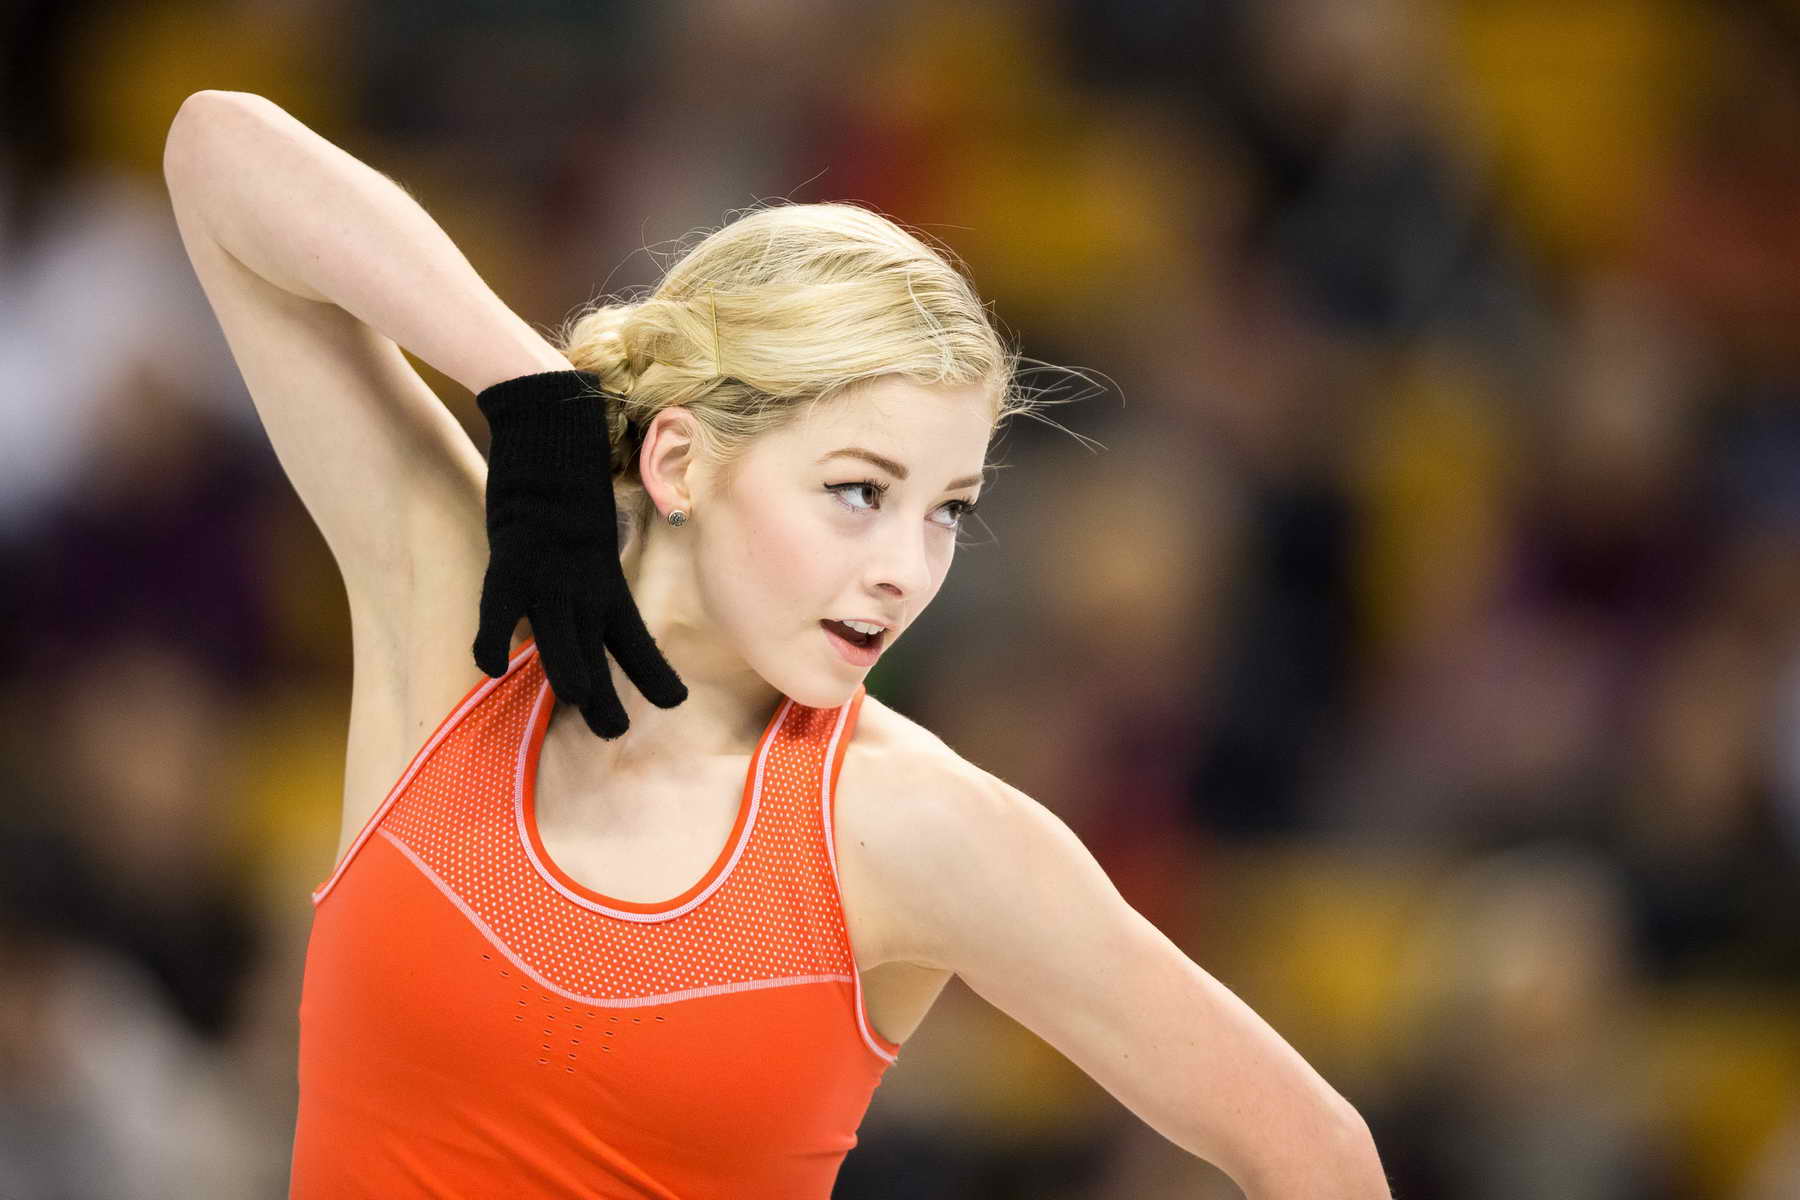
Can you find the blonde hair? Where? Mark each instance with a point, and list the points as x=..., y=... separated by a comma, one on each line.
x=775, y=311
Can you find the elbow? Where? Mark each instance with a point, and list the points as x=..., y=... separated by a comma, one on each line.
x=1341, y=1163
x=211, y=98
x=198, y=113
x=179, y=144
x=1364, y=1176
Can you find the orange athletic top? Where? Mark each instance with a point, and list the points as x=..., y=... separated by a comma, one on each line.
x=475, y=1023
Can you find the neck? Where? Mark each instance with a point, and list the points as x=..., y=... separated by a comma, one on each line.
x=728, y=703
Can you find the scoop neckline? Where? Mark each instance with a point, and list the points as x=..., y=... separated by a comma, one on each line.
x=749, y=800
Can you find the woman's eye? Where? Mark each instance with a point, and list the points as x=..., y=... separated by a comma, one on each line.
x=840, y=489
x=958, y=508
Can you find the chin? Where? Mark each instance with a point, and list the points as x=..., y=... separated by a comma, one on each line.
x=824, y=684
x=818, y=693
x=811, y=674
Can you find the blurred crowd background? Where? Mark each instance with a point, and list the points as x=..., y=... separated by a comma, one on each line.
x=1412, y=632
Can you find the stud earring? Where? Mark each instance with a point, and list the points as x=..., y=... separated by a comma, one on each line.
x=677, y=517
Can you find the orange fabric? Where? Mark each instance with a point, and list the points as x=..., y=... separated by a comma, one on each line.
x=474, y=1022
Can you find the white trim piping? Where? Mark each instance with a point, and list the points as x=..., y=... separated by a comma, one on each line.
x=487, y=932
x=825, y=807
x=737, y=850
x=444, y=730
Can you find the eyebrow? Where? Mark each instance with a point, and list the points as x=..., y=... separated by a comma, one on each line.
x=891, y=467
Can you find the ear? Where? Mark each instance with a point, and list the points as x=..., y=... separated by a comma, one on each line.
x=669, y=462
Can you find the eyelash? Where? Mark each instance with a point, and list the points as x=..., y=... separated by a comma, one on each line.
x=962, y=507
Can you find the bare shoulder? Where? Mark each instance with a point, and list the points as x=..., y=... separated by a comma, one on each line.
x=892, y=756
x=902, y=794
x=883, y=728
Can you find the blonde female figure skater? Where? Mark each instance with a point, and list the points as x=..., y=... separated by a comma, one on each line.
x=674, y=960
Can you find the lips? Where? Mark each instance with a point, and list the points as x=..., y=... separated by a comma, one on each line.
x=852, y=636
x=851, y=646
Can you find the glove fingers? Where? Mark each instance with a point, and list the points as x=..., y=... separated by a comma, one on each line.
x=560, y=649
x=604, y=714
x=639, y=658
x=501, y=609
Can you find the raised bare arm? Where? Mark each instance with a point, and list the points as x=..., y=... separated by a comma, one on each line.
x=315, y=221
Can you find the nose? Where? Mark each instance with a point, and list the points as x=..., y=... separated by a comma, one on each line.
x=902, y=565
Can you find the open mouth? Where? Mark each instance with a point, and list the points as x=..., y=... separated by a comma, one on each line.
x=850, y=635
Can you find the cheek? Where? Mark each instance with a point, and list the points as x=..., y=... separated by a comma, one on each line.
x=770, y=564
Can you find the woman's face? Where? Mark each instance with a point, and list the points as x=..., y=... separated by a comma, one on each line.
x=804, y=533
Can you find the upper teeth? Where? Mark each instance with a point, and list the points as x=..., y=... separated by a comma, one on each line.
x=863, y=626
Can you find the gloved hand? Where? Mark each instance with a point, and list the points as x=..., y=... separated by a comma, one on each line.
x=553, y=548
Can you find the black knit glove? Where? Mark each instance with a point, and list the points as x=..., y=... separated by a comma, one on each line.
x=553, y=548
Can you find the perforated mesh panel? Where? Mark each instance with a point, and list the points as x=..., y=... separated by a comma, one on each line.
x=772, y=912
